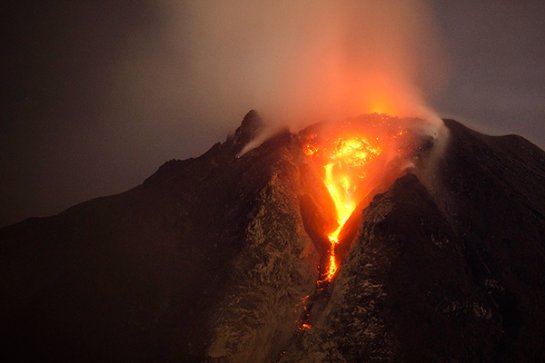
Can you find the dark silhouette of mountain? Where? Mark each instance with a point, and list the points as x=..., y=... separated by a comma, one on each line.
x=210, y=258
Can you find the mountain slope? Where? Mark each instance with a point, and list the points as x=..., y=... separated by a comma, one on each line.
x=210, y=258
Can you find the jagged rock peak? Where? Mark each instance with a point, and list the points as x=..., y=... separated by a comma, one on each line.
x=248, y=129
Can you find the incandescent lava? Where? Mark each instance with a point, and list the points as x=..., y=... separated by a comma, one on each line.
x=354, y=160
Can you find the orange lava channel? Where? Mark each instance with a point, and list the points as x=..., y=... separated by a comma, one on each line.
x=344, y=169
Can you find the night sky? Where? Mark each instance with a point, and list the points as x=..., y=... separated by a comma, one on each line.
x=80, y=120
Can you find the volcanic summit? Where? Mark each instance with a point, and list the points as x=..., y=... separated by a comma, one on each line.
x=378, y=239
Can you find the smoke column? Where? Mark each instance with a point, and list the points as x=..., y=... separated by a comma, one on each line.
x=296, y=62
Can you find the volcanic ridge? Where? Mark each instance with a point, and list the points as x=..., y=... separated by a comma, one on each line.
x=372, y=239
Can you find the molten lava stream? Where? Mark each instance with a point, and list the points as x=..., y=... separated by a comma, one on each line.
x=345, y=166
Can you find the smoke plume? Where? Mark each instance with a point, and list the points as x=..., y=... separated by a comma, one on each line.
x=296, y=62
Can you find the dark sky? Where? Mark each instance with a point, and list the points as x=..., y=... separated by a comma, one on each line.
x=71, y=131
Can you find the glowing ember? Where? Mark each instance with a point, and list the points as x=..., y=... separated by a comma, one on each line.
x=310, y=150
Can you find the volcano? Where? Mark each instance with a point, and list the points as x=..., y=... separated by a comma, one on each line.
x=226, y=258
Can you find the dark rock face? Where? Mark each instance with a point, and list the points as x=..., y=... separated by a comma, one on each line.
x=209, y=259
x=493, y=195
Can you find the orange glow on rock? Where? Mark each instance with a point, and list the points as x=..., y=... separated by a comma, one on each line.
x=310, y=150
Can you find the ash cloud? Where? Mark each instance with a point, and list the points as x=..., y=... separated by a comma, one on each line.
x=295, y=62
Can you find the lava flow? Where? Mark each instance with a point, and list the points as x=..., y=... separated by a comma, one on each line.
x=352, y=163
x=345, y=166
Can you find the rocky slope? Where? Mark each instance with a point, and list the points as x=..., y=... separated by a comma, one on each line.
x=209, y=260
